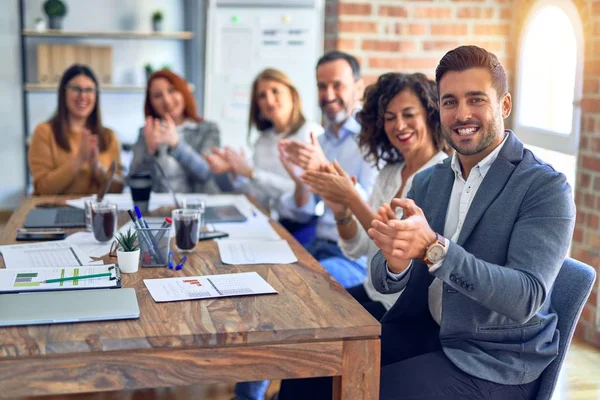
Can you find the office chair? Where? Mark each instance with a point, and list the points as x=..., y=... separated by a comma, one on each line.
x=571, y=290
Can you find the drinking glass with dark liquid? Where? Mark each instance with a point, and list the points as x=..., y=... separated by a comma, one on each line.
x=104, y=221
x=187, y=228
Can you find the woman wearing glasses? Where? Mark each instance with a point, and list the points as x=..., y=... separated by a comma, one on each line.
x=71, y=152
x=175, y=137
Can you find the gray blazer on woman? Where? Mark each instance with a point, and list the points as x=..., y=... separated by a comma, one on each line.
x=497, y=321
x=197, y=139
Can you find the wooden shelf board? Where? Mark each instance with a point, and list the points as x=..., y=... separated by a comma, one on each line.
x=109, y=34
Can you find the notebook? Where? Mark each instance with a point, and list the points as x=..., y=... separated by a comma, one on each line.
x=68, y=306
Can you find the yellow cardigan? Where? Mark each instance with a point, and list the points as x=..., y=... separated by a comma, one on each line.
x=52, y=170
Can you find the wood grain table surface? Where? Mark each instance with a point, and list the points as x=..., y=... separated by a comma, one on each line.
x=312, y=327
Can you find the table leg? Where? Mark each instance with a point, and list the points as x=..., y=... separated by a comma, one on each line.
x=360, y=371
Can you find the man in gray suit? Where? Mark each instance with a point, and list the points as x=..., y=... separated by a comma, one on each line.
x=483, y=238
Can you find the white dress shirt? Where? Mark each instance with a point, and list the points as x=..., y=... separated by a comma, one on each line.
x=463, y=193
x=386, y=188
x=271, y=180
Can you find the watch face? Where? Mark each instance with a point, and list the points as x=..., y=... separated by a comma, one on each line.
x=436, y=253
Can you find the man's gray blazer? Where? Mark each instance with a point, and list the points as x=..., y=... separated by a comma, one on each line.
x=497, y=321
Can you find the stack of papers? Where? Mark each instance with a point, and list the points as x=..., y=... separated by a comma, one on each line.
x=45, y=255
x=206, y=287
x=255, y=252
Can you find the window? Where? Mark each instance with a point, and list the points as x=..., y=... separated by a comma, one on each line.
x=549, y=79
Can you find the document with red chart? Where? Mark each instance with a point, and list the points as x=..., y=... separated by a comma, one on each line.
x=207, y=287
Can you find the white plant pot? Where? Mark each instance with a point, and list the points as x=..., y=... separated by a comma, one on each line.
x=128, y=261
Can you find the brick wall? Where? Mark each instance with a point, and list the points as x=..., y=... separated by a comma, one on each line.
x=413, y=35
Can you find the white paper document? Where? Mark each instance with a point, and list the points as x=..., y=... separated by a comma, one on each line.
x=43, y=255
x=241, y=252
x=206, y=287
x=88, y=243
x=33, y=279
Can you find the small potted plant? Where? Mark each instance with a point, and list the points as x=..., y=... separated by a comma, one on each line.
x=56, y=11
x=40, y=24
x=148, y=70
x=128, y=253
x=157, y=18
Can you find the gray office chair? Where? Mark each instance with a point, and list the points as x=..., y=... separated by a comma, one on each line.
x=571, y=290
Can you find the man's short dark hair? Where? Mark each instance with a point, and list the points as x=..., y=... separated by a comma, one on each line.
x=340, y=55
x=466, y=57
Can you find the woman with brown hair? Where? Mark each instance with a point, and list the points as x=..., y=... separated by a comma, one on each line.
x=175, y=137
x=276, y=112
x=71, y=153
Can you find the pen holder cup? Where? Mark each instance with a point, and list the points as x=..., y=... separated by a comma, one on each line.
x=154, y=246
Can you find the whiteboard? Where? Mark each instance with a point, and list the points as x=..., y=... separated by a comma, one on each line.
x=242, y=40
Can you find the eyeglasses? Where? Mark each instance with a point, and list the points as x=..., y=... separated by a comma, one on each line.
x=80, y=90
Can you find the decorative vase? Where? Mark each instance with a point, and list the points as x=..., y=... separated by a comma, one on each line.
x=156, y=25
x=128, y=261
x=40, y=25
x=55, y=22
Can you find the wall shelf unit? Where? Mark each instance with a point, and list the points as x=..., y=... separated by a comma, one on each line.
x=53, y=33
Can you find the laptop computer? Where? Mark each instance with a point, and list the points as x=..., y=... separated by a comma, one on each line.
x=212, y=214
x=65, y=217
x=68, y=306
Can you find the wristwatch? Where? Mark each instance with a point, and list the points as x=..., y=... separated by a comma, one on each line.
x=436, y=251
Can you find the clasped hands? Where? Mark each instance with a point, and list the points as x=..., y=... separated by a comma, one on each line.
x=400, y=241
x=157, y=132
x=227, y=160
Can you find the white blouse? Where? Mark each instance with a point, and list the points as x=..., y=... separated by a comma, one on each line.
x=271, y=180
x=386, y=187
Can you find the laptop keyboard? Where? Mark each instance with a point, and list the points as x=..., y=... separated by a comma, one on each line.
x=70, y=216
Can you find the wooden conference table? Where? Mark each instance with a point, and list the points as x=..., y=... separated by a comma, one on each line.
x=311, y=328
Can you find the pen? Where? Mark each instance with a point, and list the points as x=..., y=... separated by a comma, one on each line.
x=166, y=224
x=180, y=265
x=170, y=259
x=76, y=278
x=150, y=241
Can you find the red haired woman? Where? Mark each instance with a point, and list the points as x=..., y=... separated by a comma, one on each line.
x=175, y=137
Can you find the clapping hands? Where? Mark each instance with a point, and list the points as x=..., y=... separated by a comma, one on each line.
x=157, y=132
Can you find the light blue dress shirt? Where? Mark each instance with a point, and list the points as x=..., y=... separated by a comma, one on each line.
x=346, y=151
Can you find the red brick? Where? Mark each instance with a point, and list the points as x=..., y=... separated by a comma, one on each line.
x=593, y=297
x=584, y=180
x=592, y=337
x=591, y=68
x=596, y=9
x=432, y=12
x=590, y=105
x=591, y=85
x=410, y=29
x=387, y=45
x=393, y=11
x=594, y=144
x=592, y=240
x=439, y=45
x=475, y=12
x=449, y=29
x=354, y=9
x=506, y=13
x=592, y=221
x=492, y=29
x=402, y=63
x=340, y=44
x=578, y=235
x=357, y=26
x=369, y=79
x=589, y=313
x=589, y=200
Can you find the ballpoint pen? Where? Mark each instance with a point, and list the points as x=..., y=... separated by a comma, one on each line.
x=170, y=259
x=180, y=265
x=166, y=224
x=76, y=278
x=147, y=235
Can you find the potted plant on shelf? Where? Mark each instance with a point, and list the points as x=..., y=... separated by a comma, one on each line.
x=56, y=11
x=128, y=253
x=148, y=70
x=40, y=24
x=157, y=18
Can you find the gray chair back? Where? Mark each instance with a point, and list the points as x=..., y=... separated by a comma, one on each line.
x=569, y=294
